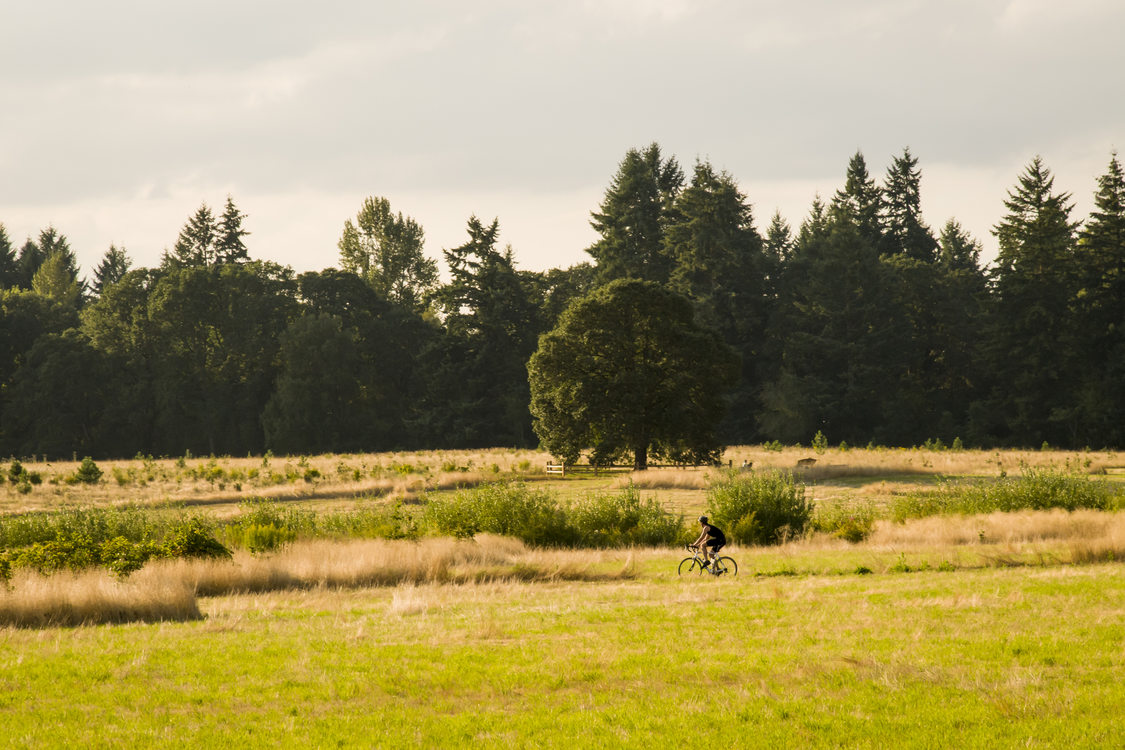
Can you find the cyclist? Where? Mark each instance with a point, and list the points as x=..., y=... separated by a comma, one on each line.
x=711, y=540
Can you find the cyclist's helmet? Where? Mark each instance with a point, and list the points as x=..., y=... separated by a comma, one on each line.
x=703, y=519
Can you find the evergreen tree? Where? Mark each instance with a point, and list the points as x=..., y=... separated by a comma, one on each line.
x=9, y=268
x=840, y=339
x=778, y=241
x=56, y=279
x=860, y=202
x=115, y=264
x=957, y=249
x=1032, y=340
x=901, y=212
x=196, y=244
x=27, y=263
x=228, y=234
x=385, y=250
x=479, y=394
x=720, y=267
x=1101, y=311
x=633, y=215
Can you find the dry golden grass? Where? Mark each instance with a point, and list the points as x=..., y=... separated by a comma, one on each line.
x=333, y=481
x=362, y=563
x=884, y=461
x=92, y=598
x=1023, y=526
x=167, y=590
x=666, y=479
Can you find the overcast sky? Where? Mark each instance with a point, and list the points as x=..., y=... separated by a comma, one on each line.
x=118, y=119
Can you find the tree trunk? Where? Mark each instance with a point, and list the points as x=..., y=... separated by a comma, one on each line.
x=640, y=458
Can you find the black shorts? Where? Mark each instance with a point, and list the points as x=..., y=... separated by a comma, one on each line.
x=715, y=547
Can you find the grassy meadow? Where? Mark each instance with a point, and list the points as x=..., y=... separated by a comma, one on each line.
x=949, y=629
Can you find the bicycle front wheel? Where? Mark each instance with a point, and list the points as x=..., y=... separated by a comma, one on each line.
x=727, y=566
x=690, y=565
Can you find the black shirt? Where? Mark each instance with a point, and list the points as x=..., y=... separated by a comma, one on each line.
x=715, y=534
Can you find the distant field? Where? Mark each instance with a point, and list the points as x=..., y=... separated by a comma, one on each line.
x=991, y=630
x=334, y=481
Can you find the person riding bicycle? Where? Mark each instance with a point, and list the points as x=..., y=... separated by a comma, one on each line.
x=711, y=540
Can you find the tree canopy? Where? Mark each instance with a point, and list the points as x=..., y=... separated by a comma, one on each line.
x=628, y=370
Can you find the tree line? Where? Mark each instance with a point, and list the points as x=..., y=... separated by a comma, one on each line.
x=864, y=324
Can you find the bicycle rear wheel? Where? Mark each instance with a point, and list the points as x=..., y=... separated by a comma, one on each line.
x=727, y=566
x=690, y=565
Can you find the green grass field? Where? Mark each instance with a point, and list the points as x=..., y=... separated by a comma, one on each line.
x=984, y=658
x=998, y=630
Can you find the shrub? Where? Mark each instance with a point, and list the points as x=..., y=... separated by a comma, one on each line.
x=123, y=557
x=1034, y=489
x=850, y=523
x=264, y=527
x=194, y=538
x=87, y=473
x=759, y=508
x=623, y=519
x=819, y=442
x=503, y=508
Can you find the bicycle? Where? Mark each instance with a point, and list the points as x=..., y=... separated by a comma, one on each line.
x=697, y=563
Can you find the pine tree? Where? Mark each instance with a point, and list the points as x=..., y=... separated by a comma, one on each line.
x=115, y=264
x=901, y=212
x=492, y=320
x=55, y=279
x=27, y=263
x=957, y=248
x=1101, y=311
x=196, y=244
x=720, y=267
x=716, y=250
x=228, y=234
x=633, y=215
x=860, y=202
x=9, y=269
x=779, y=240
x=1033, y=345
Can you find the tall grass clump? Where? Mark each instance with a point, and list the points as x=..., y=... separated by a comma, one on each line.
x=1034, y=489
x=759, y=508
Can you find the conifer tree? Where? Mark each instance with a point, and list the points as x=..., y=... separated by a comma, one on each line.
x=1033, y=336
x=901, y=212
x=114, y=265
x=1101, y=311
x=196, y=244
x=228, y=234
x=860, y=202
x=9, y=269
x=633, y=215
x=56, y=280
x=957, y=249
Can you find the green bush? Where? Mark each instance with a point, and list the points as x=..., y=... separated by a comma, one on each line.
x=88, y=472
x=503, y=508
x=624, y=519
x=123, y=557
x=759, y=508
x=194, y=537
x=1034, y=489
x=850, y=523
